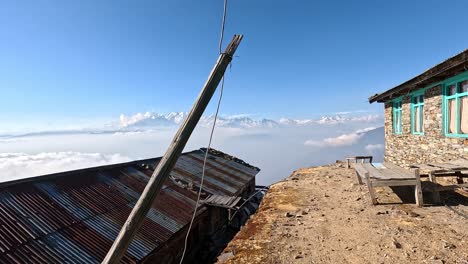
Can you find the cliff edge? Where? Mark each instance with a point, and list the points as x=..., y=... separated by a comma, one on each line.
x=321, y=215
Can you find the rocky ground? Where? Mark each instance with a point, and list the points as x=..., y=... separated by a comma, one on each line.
x=320, y=215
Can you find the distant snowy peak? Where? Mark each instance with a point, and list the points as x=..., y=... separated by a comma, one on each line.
x=151, y=119
x=239, y=122
x=336, y=119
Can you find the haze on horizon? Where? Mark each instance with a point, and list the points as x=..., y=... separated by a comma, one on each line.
x=72, y=72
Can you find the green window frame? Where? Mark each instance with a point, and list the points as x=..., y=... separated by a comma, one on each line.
x=417, y=113
x=397, y=116
x=455, y=99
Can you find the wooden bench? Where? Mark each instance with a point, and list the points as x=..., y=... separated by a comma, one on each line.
x=455, y=168
x=356, y=159
x=391, y=175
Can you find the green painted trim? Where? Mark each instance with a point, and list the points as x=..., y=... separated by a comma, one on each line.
x=445, y=98
x=457, y=78
x=421, y=117
x=413, y=107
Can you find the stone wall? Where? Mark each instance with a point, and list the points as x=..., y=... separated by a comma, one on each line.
x=406, y=148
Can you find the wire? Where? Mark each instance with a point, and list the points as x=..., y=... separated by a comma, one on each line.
x=222, y=27
x=251, y=196
x=209, y=141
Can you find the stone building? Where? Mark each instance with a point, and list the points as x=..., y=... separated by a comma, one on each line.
x=426, y=117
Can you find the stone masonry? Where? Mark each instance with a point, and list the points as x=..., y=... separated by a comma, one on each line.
x=406, y=148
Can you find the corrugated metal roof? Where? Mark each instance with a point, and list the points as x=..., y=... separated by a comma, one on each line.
x=74, y=216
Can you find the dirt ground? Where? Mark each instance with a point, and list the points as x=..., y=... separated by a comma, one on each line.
x=321, y=215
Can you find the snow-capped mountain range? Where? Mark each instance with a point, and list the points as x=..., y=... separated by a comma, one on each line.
x=152, y=119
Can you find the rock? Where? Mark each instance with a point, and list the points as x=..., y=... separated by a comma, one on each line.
x=448, y=245
x=288, y=214
x=297, y=257
x=381, y=212
x=434, y=260
x=295, y=178
x=303, y=212
x=326, y=195
x=413, y=214
x=357, y=199
x=396, y=244
x=225, y=257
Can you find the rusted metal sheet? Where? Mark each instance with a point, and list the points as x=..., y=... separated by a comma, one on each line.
x=74, y=217
x=222, y=201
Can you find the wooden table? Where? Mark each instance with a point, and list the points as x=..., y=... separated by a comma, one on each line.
x=356, y=159
x=390, y=175
x=450, y=168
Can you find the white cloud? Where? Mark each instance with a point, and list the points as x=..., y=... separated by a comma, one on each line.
x=275, y=146
x=371, y=148
x=20, y=165
x=342, y=140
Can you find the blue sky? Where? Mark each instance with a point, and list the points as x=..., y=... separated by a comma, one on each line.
x=83, y=61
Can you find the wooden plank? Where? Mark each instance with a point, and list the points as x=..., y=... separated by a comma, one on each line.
x=373, y=172
x=401, y=172
x=165, y=166
x=448, y=166
x=461, y=162
x=429, y=168
x=390, y=183
x=394, y=167
x=360, y=170
x=390, y=174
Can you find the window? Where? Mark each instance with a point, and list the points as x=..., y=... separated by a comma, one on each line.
x=417, y=113
x=397, y=116
x=456, y=109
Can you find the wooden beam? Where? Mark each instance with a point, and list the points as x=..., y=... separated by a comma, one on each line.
x=169, y=159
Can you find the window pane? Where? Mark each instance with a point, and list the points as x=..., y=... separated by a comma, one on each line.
x=464, y=87
x=452, y=89
x=399, y=121
x=417, y=120
x=451, y=116
x=421, y=98
x=464, y=115
x=421, y=118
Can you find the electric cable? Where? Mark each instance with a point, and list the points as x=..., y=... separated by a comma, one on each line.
x=209, y=141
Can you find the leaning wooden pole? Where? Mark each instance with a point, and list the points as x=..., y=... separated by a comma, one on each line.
x=169, y=159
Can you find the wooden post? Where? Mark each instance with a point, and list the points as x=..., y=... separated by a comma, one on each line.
x=435, y=192
x=371, y=189
x=160, y=174
x=418, y=189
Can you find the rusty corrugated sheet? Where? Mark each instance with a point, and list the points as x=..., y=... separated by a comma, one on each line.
x=74, y=217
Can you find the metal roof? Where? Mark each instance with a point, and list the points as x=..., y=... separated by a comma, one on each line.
x=439, y=72
x=75, y=216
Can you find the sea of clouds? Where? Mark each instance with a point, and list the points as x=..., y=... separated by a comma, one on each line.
x=277, y=147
